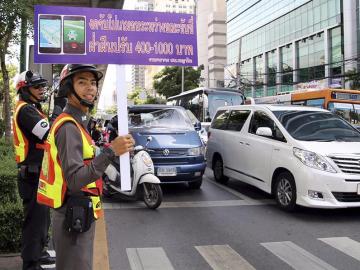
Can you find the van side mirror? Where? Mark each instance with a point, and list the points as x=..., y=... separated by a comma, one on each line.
x=197, y=126
x=264, y=131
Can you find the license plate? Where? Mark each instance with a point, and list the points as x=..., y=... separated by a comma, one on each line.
x=166, y=171
x=358, y=189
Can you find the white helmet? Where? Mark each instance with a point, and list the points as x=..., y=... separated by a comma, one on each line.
x=28, y=78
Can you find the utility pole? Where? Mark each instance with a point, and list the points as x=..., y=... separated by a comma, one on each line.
x=208, y=74
x=182, y=79
x=23, y=45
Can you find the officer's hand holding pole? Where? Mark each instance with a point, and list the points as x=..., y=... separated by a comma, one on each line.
x=122, y=144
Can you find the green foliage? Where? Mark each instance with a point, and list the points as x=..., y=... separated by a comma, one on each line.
x=155, y=100
x=112, y=110
x=168, y=81
x=11, y=217
x=353, y=76
x=11, y=213
x=8, y=173
x=135, y=96
x=13, y=70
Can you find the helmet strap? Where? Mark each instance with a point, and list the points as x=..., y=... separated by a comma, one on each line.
x=25, y=94
x=84, y=102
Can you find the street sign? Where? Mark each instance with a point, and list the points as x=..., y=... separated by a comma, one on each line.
x=111, y=36
x=77, y=35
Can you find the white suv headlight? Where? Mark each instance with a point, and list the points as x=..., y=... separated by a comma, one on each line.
x=313, y=160
x=197, y=151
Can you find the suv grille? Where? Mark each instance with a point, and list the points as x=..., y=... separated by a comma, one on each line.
x=346, y=196
x=172, y=152
x=348, y=163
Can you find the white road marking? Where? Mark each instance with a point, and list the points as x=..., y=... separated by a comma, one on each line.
x=148, y=259
x=223, y=257
x=240, y=195
x=344, y=244
x=52, y=253
x=296, y=257
x=48, y=266
x=111, y=206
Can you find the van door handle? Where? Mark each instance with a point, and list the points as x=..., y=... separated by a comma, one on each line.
x=277, y=149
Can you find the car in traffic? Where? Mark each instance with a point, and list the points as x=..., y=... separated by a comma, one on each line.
x=176, y=148
x=302, y=155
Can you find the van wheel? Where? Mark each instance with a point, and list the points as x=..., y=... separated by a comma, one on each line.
x=218, y=170
x=285, y=191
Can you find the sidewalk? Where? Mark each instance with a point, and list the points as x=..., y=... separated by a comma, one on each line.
x=10, y=262
x=100, y=259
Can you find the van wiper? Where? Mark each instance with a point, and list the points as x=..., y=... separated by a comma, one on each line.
x=318, y=140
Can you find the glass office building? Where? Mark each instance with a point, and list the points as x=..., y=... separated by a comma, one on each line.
x=284, y=45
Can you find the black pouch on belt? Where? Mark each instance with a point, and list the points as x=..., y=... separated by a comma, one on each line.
x=79, y=213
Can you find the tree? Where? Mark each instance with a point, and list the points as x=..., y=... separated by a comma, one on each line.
x=353, y=77
x=12, y=70
x=168, y=81
x=135, y=96
x=11, y=15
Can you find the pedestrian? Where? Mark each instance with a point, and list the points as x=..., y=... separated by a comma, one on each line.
x=94, y=131
x=31, y=127
x=71, y=183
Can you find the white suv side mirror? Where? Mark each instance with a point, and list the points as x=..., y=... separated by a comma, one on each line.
x=264, y=131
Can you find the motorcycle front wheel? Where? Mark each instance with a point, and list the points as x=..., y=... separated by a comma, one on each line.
x=152, y=195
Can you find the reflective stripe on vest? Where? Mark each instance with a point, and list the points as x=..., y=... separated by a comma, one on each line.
x=52, y=185
x=21, y=143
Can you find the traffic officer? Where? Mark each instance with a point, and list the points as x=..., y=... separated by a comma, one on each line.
x=31, y=127
x=71, y=174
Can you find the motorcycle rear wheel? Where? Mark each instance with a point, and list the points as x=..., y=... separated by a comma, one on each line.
x=152, y=195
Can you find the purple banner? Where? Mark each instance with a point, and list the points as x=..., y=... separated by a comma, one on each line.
x=111, y=36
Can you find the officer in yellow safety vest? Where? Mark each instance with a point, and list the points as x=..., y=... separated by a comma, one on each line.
x=70, y=180
x=30, y=128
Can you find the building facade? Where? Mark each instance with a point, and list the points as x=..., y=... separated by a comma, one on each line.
x=175, y=6
x=284, y=45
x=211, y=34
x=138, y=72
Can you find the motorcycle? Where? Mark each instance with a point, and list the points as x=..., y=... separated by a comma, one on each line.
x=143, y=179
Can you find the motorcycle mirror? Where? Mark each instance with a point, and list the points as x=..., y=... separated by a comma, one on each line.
x=149, y=139
x=138, y=148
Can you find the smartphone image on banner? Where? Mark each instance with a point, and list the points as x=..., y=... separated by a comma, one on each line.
x=49, y=34
x=74, y=34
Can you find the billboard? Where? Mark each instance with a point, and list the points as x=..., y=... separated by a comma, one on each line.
x=111, y=36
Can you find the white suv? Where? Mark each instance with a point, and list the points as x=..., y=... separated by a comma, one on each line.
x=301, y=155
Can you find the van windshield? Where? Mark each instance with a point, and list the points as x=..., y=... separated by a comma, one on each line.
x=166, y=118
x=317, y=126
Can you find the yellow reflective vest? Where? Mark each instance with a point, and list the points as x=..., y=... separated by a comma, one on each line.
x=21, y=143
x=52, y=184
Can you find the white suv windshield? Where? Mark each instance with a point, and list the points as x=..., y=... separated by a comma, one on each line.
x=317, y=126
x=166, y=118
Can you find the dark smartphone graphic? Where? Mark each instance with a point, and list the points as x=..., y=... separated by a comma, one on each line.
x=49, y=34
x=74, y=34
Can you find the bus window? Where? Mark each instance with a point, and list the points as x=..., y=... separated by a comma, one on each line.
x=350, y=112
x=316, y=103
x=319, y=103
x=217, y=100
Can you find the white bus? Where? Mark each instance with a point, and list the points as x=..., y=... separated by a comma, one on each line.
x=203, y=102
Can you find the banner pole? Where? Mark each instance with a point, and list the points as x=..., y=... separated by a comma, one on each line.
x=123, y=127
